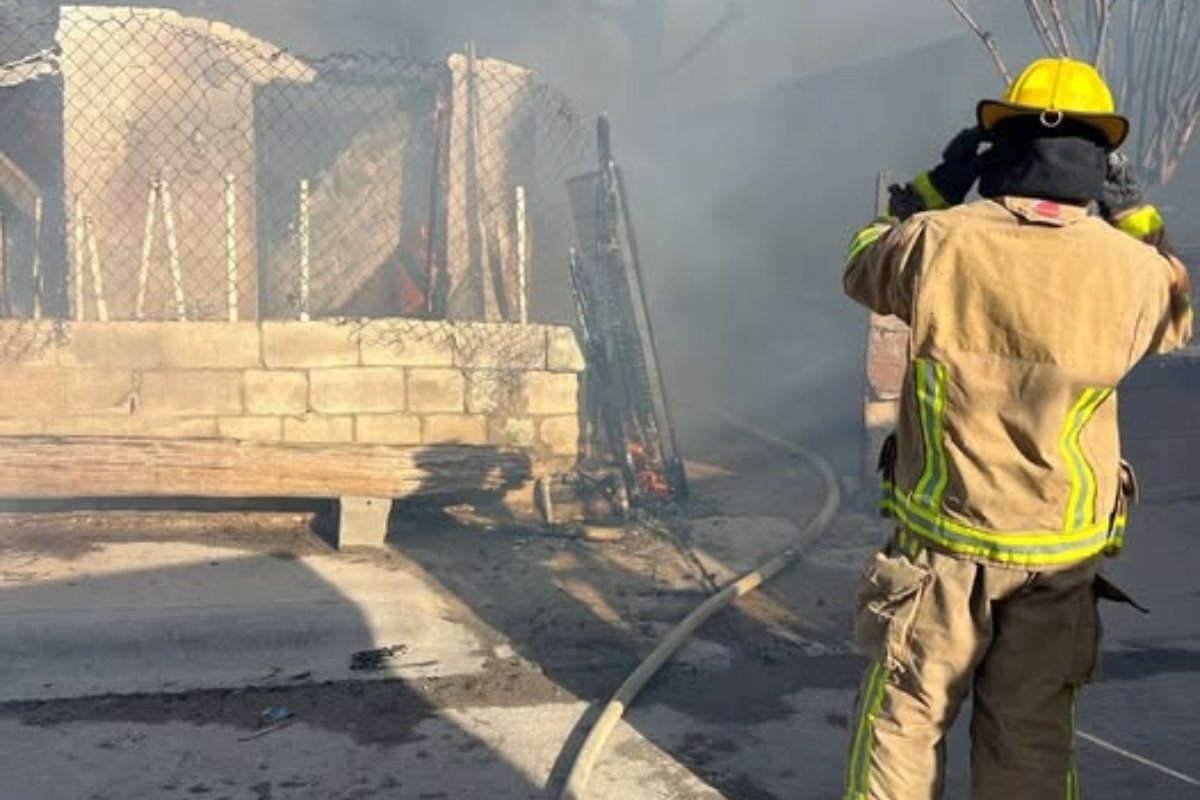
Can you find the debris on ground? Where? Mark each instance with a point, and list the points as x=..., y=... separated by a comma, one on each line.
x=375, y=660
x=275, y=715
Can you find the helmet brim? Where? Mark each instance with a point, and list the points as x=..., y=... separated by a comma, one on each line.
x=1113, y=127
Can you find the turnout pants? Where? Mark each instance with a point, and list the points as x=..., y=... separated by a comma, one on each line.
x=937, y=627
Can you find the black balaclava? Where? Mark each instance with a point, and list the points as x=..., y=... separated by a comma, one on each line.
x=1066, y=163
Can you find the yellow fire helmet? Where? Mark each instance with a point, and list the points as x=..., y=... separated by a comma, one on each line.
x=1055, y=89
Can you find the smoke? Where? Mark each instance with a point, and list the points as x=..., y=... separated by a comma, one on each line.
x=751, y=132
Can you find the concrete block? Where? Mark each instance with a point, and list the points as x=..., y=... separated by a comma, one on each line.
x=315, y=429
x=882, y=415
x=21, y=426
x=363, y=521
x=308, y=345
x=512, y=431
x=560, y=435
x=405, y=343
x=251, y=429
x=455, y=429
x=490, y=391
x=499, y=346
x=210, y=345
x=191, y=393
x=562, y=351
x=113, y=345
x=275, y=392
x=33, y=392
x=166, y=428
x=111, y=425
x=387, y=429
x=357, y=390
x=551, y=393
x=887, y=357
x=24, y=343
x=436, y=390
x=134, y=425
x=99, y=391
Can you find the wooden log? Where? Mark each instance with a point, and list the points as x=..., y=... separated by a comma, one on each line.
x=63, y=467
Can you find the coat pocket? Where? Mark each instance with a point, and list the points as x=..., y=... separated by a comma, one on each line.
x=890, y=594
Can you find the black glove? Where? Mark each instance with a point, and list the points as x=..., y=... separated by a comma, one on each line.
x=959, y=169
x=1122, y=189
x=904, y=201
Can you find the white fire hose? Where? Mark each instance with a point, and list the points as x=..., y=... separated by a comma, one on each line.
x=593, y=745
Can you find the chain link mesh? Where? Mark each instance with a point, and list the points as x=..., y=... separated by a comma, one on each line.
x=155, y=166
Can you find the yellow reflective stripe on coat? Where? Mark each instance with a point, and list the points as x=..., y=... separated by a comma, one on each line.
x=859, y=778
x=1081, y=502
x=1018, y=548
x=1141, y=223
x=931, y=400
x=929, y=194
x=865, y=238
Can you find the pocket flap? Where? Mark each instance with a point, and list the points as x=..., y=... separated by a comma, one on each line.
x=892, y=579
x=890, y=596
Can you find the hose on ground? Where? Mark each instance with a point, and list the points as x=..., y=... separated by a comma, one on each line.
x=597, y=738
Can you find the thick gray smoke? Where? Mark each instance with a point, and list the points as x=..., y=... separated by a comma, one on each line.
x=751, y=130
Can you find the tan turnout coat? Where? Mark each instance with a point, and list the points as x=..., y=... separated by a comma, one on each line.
x=1025, y=317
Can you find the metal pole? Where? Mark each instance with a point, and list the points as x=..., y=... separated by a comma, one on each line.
x=522, y=259
x=5, y=300
x=147, y=249
x=882, y=180
x=433, y=303
x=231, y=277
x=38, y=215
x=78, y=249
x=173, y=252
x=97, y=273
x=477, y=239
x=305, y=233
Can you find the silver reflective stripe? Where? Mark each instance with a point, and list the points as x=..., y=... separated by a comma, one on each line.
x=1040, y=547
x=1081, y=502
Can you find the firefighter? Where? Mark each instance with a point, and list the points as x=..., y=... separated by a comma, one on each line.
x=1004, y=475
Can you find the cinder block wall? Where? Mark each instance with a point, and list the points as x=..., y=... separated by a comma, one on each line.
x=887, y=360
x=371, y=382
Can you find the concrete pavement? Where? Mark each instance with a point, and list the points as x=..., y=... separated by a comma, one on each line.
x=513, y=642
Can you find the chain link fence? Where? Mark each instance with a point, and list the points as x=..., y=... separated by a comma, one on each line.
x=154, y=166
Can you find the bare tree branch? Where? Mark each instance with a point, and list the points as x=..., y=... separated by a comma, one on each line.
x=1104, y=9
x=988, y=40
x=1181, y=94
x=1147, y=51
x=1042, y=27
x=1060, y=26
x=1142, y=45
x=1082, y=25
x=733, y=14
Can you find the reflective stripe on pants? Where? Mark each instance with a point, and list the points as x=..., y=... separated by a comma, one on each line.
x=1025, y=641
